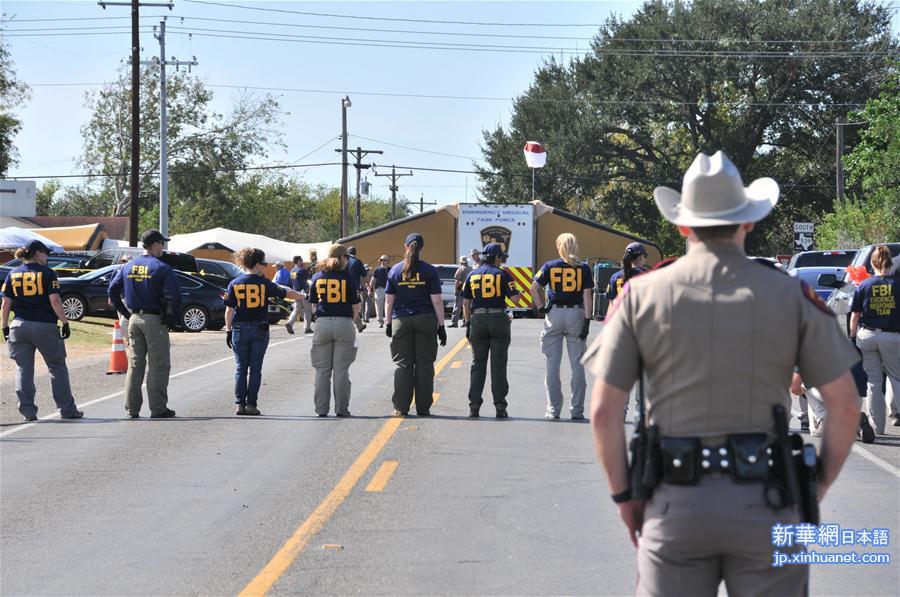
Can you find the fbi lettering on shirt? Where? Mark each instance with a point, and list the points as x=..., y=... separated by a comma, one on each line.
x=28, y=284
x=139, y=273
x=250, y=296
x=882, y=299
x=412, y=281
x=565, y=279
x=485, y=285
x=330, y=290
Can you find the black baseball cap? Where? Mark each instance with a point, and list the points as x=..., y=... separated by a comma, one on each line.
x=34, y=246
x=415, y=237
x=153, y=236
x=493, y=250
x=636, y=249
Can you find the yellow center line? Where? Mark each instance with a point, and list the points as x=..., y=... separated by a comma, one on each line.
x=382, y=476
x=310, y=527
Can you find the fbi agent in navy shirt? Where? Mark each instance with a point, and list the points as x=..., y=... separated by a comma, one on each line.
x=300, y=282
x=414, y=301
x=484, y=296
x=634, y=262
x=378, y=284
x=32, y=292
x=568, y=317
x=334, y=292
x=875, y=323
x=247, y=325
x=152, y=299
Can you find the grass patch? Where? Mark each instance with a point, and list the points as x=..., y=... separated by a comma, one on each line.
x=91, y=331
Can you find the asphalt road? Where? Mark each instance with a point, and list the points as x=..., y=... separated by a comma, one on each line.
x=209, y=503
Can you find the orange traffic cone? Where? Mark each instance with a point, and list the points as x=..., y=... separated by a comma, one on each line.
x=118, y=361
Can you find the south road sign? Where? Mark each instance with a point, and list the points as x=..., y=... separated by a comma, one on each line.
x=804, y=236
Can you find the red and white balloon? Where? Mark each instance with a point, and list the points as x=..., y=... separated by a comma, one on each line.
x=535, y=155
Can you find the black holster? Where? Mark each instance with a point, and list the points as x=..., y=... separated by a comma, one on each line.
x=798, y=472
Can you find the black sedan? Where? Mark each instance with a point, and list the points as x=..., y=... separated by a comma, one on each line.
x=203, y=306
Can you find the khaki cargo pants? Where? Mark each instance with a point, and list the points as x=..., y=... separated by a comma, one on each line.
x=695, y=536
x=148, y=340
x=333, y=350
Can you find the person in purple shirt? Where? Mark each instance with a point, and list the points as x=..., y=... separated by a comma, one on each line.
x=414, y=301
x=300, y=282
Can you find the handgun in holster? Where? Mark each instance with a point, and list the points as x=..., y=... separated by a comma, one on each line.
x=797, y=468
x=644, y=469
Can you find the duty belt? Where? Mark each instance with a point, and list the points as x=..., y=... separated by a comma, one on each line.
x=488, y=310
x=565, y=305
x=745, y=456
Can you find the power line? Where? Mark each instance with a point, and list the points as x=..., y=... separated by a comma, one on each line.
x=586, y=99
x=398, y=19
x=450, y=155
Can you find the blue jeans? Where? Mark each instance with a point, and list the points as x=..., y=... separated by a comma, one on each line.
x=250, y=341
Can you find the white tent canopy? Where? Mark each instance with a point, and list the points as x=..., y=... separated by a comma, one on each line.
x=13, y=238
x=234, y=240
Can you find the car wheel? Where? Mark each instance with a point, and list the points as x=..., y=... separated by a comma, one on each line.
x=194, y=318
x=74, y=307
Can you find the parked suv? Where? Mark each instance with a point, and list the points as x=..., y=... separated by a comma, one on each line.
x=821, y=259
x=840, y=298
x=65, y=265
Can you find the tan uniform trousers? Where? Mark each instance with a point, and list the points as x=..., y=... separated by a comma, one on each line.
x=148, y=340
x=333, y=350
x=880, y=357
x=695, y=536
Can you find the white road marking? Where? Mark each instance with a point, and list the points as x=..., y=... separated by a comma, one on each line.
x=56, y=415
x=876, y=460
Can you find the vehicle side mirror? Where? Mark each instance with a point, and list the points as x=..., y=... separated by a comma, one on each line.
x=829, y=281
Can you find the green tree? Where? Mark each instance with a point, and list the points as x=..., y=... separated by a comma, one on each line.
x=679, y=78
x=200, y=140
x=12, y=94
x=871, y=211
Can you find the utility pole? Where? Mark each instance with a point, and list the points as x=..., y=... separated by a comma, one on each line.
x=359, y=154
x=135, y=109
x=345, y=103
x=164, y=123
x=839, y=155
x=423, y=203
x=394, y=188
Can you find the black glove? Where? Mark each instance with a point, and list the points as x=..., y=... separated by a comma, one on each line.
x=442, y=335
x=468, y=330
x=6, y=333
x=228, y=336
x=585, y=328
x=388, y=330
x=544, y=310
x=65, y=332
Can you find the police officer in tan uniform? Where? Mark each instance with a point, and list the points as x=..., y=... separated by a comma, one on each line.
x=717, y=336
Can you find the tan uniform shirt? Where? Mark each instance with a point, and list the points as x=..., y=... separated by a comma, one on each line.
x=719, y=335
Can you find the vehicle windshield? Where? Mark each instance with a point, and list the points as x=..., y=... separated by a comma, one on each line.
x=97, y=273
x=446, y=271
x=823, y=259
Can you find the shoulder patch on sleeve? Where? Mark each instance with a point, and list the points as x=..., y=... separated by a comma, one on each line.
x=664, y=263
x=809, y=293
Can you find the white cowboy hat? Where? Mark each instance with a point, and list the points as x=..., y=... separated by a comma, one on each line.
x=713, y=194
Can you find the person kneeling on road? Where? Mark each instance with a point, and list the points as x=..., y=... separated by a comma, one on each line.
x=334, y=293
x=484, y=295
x=247, y=325
x=32, y=292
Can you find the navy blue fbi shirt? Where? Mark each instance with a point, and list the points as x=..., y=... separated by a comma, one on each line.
x=565, y=283
x=146, y=281
x=380, y=276
x=412, y=296
x=488, y=287
x=617, y=280
x=248, y=295
x=300, y=279
x=334, y=293
x=877, y=300
x=356, y=269
x=29, y=286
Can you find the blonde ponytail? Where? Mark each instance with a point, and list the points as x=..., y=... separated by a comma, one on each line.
x=567, y=247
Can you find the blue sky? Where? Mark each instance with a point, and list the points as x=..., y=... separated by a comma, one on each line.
x=50, y=138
